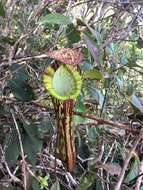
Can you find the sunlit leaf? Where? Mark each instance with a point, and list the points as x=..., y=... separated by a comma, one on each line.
x=55, y=18
x=92, y=74
x=43, y=181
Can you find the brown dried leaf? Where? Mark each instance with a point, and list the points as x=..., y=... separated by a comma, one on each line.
x=112, y=168
x=67, y=56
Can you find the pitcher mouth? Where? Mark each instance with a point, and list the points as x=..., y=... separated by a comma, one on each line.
x=64, y=83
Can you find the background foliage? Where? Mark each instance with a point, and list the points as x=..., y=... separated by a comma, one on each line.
x=110, y=35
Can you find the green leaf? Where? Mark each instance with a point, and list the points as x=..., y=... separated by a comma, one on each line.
x=137, y=103
x=19, y=83
x=134, y=170
x=43, y=182
x=87, y=182
x=80, y=107
x=55, y=18
x=64, y=83
x=120, y=82
x=19, y=73
x=98, y=184
x=130, y=87
x=56, y=186
x=93, y=48
x=98, y=97
x=35, y=184
x=21, y=90
x=11, y=154
x=107, y=82
x=93, y=74
x=91, y=133
x=123, y=59
x=46, y=127
x=2, y=11
x=73, y=35
x=31, y=143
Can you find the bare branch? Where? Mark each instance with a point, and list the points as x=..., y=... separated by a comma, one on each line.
x=100, y=121
x=127, y=160
x=22, y=151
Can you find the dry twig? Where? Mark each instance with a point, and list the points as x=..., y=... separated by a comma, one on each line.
x=127, y=160
x=22, y=151
x=100, y=121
